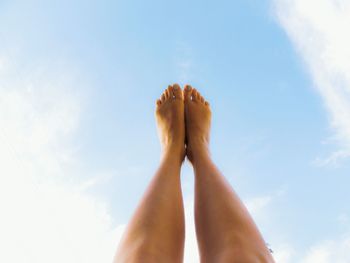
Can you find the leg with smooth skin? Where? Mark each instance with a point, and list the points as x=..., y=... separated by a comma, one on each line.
x=225, y=230
x=156, y=231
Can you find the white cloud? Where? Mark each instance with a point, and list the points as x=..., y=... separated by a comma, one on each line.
x=44, y=219
x=191, y=247
x=324, y=251
x=332, y=251
x=283, y=253
x=319, y=30
x=333, y=159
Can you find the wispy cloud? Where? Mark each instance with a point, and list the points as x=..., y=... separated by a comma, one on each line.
x=336, y=251
x=183, y=61
x=44, y=218
x=324, y=251
x=319, y=30
x=283, y=253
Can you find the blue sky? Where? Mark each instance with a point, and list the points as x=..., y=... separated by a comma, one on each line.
x=78, y=84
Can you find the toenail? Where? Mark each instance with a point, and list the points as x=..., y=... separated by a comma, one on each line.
x=175, y=86
x=188, y=87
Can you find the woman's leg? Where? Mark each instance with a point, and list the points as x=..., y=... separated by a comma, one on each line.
x=156, y=231
x=225, y=230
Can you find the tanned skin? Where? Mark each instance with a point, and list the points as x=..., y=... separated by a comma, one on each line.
x=225, y=230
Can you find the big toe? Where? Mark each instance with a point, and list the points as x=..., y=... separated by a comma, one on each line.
x=177, y=92
x=187, y=92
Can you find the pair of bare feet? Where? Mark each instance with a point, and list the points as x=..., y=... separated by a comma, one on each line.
x=183, y=119
x=156, y=233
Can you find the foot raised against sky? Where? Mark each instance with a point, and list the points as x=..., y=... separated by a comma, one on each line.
x=198, y=120
x=171, y=121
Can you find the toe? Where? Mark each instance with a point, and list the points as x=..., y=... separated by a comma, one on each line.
x=195, y=95
x=167, y=93
x=198, y=96
x=187, y=92
x=177, y=92
x=163, y=97
x=158, y=102
x=202, y=99
x=171, y=91
x=207, y=103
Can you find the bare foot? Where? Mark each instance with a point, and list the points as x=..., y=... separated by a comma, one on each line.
x=198, y=120
x=171, y=121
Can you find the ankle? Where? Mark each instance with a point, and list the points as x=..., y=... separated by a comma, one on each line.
x=197, y=150
x=174, y=152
